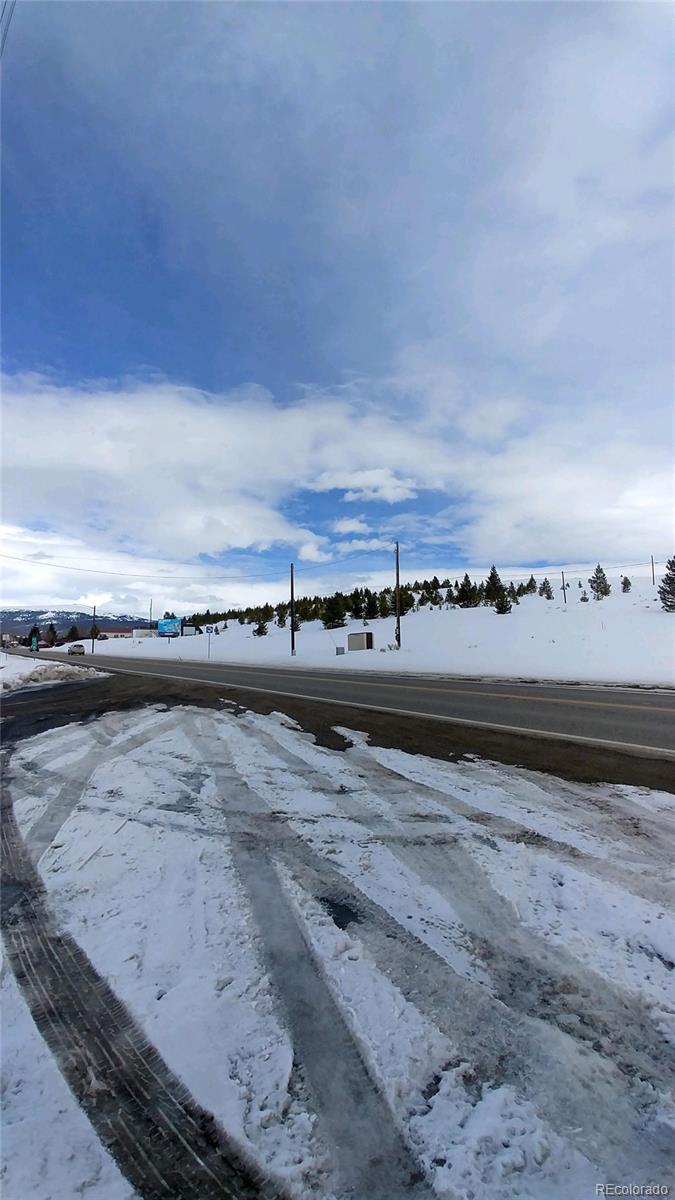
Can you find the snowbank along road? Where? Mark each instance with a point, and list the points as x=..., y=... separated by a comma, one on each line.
x=266, y=967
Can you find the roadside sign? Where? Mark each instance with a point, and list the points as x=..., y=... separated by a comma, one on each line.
x=169, y=627
x=209, y=628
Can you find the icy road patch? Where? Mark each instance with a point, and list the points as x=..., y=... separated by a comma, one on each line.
x=384, y=975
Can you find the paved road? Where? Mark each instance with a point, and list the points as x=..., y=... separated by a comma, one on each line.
x=622, y=717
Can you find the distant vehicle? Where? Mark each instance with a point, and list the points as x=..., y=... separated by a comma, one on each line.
x=76, y=648
x=102, y=637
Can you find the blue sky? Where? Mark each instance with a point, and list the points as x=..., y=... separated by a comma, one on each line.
x=405, y=265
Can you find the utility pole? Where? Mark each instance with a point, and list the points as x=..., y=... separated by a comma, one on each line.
x=93, y=624
x=564, y=588
x=398, y=600
x=292, y=611
x=151, y=614
x=653, y=576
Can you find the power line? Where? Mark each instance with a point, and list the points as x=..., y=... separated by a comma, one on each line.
x=167, y=577
x=8, y=22
x=61, y=566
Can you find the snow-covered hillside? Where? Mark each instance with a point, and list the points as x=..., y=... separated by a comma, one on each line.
x=625, y=638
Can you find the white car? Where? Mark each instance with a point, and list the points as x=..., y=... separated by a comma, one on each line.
x=76, y=648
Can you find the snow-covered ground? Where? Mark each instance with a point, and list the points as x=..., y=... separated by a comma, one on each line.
x=17, y=672
x=497, y=946
x=50, y=1151
x=625, y=638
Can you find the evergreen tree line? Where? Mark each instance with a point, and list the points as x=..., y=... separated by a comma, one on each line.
x=366, y=605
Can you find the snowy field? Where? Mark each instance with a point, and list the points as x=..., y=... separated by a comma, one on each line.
x=625, y=638
x=18, y=672
x=489, y=950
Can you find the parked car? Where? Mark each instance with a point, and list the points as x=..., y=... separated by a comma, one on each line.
x=102, y=637
x=76, y=648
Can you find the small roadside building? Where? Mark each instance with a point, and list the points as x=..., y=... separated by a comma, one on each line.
x=360, y=641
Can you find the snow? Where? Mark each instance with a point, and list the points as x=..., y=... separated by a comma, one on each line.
x=50, y=1151
x=19, y=672
x=623, y=639
x=499, y=877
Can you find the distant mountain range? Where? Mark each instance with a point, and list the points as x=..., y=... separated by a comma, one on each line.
x=21, y=620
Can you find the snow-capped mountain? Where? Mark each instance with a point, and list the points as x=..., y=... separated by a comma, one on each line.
x=21, y=620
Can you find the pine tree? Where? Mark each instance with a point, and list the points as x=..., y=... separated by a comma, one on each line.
x=281, y=616
x=598, y=583
x=407, y=600
x=72, y=634
x=371, y=609
x=502, y=603
x=521, y=589
x=546, y=590
x=579, y=583
x=449, y=596
x=94, y=631
x=666, y=588
x=584, y=597
x=50, y=637
x=242, y=618
x=356, y=604
x=334, y=612
x=512, y=593
x=260, y=629
x=493, y=587
x=626, y=584
x=467, y=593
x=384, y=604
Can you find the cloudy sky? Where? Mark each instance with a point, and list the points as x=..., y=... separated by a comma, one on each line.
x=291, y=282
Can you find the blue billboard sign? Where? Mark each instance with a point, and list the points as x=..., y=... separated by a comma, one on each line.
x=169, y=627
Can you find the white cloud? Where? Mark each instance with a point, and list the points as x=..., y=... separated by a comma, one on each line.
x=350, y=525
x=375, y=483
x=161, y=471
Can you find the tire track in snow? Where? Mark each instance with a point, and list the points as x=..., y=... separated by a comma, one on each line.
x=108, y=743
x=611, y=1096
x=532, y=975
x=619, y=825
x=166, y=1144
x=372, y=1157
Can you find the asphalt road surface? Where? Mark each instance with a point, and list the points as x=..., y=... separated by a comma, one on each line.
x=629, y=719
